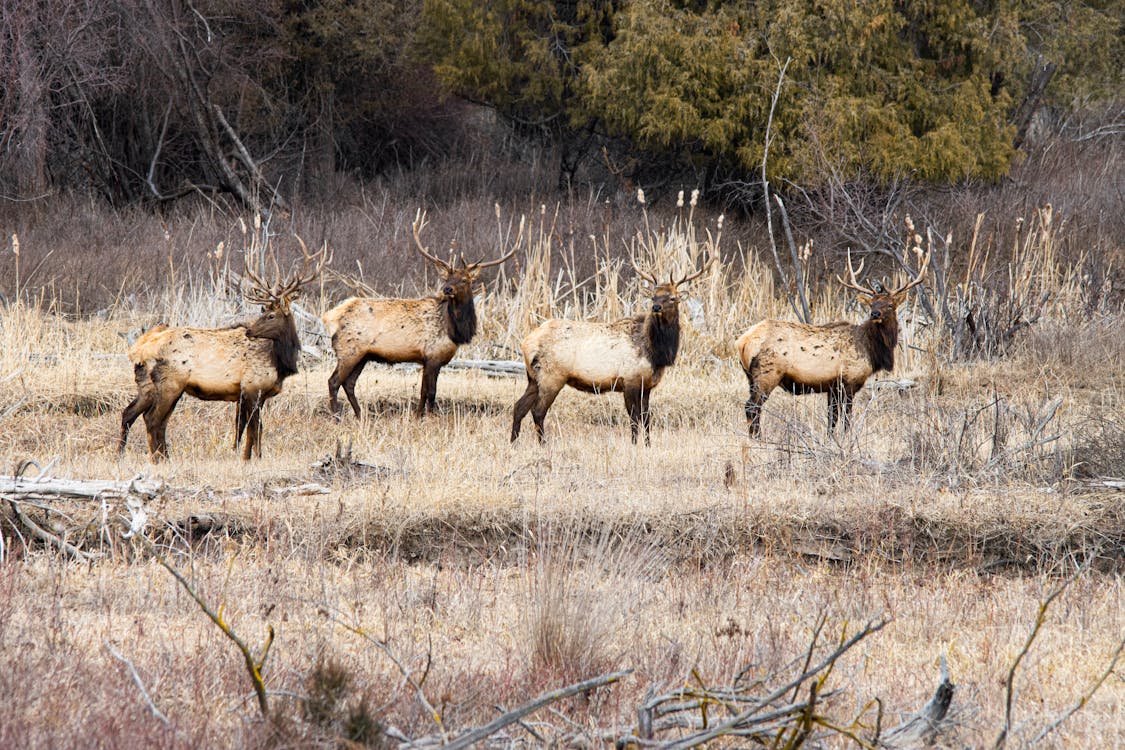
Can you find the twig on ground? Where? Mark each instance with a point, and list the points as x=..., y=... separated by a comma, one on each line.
x=156, y=712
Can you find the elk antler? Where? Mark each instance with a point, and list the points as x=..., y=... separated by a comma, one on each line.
x=419, y=224
x=316, y=261
x=854, y=282
x=694, y=276
x=263, y=293
x=917, y=277
x=259, y=293
x=643, y=274
x=481, y=264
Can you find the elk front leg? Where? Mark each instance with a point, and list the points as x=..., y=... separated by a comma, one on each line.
x=242, y=414
x=633, y=406
x=253, y=432
x=428, y=397
x=847, y=398
x=646, y=415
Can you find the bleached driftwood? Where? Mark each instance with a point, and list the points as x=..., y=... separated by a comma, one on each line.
x=54, y=488
x=921, y=729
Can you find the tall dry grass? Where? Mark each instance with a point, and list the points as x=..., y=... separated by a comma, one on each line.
x=500, y=570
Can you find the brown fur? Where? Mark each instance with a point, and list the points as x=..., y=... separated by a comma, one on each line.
x=835, y=358
x=426, y=331
x=628, y=355
x=247, y=364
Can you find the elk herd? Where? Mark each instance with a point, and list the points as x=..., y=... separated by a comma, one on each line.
x=248, y=363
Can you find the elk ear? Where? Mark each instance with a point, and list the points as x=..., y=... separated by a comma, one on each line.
x=472, y=273
x=898, y=299
x=865, y=299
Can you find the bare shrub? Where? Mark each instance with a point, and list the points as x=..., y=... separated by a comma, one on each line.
x=994, y=439
x=333, y=707
x=1097, y=449
x=580, y=586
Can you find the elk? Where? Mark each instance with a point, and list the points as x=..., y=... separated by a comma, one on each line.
x=628, y=355
x=426, y=330
x=246, y=363
x=834, y=358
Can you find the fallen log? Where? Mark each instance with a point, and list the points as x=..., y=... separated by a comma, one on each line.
x=53, y=488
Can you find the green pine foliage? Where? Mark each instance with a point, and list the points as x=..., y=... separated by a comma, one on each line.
x=872, y=86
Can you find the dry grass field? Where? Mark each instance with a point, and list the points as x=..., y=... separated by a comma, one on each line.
x=967, y=492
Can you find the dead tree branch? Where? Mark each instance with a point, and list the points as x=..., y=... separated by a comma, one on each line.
x=156, y=712
x=253, y=666
x=1010, y=691
x=546, y=699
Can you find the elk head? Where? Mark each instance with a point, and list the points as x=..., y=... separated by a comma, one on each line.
x=882, y=302
x=276, y=321
x=666, y=295
x=458, y=284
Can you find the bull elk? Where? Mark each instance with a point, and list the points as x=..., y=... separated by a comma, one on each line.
x=245, y=363
x=628, y=355
x=426, y=331
x=834, y=358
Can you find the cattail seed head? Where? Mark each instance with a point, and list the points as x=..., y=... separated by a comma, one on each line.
x=640, y=196
x=680, y=199
x=15, y=244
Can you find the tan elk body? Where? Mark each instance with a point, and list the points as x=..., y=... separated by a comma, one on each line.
x=247, y=364
x=427, y=330
x=628, y=356
x=834, y=358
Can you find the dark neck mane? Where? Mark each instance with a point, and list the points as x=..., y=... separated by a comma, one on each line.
x=662, y=339
x=460, y=320
x=878, y=339
x=286, y=350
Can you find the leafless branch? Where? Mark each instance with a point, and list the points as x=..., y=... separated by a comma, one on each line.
x=1010, y=691
x=156, y=712
x=253, y=666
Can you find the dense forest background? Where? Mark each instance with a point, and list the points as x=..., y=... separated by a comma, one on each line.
x=851, y=110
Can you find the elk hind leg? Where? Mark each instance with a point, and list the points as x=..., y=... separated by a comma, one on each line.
x=523, y=406
x=547, y=396
x=156, y=423
x=761, y=384
x=349, y=386
x=346, y=374
x=136, y=407
x=753, y=409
